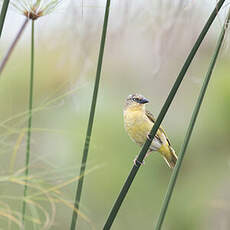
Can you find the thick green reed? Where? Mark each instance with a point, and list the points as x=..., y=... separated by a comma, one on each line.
x=190, y=127
x=91, y=118
x=134, y=170
x=3, y=14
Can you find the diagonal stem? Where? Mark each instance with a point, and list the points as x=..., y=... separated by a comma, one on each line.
x=91, y=118
x=134, y=170
x=3, y=14
x=191, y=126
x=10, y=50
x=29, y=123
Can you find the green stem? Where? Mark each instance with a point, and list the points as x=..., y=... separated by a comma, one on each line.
x=135, y=168
x=91, y=118
x=12, y=46
x=29, y=123
x=3, y=14
x=190, y=128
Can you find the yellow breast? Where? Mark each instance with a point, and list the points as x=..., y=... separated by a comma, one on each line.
x=137, y=125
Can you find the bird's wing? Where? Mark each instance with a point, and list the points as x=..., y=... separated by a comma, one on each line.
x=151, y=118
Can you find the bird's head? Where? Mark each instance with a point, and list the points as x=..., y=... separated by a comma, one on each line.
x=136, y=101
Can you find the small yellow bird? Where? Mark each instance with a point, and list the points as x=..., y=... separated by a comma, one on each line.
x=139, y=122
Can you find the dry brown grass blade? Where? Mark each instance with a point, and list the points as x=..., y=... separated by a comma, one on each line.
x=7, y=207
x=16, y=148
x=11, y=218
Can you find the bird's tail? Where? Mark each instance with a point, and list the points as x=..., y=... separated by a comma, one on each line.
x=169, y=156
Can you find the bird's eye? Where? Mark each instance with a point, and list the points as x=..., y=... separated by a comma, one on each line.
x=135, y=99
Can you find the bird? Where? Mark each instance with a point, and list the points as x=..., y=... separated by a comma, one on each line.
x=138, y=123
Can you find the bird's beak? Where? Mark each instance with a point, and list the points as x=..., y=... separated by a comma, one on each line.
x=144, y=101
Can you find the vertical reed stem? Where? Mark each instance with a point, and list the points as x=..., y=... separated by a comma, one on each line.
x=29, y=123
x=91, y=118
x=190, y=127
x=3, y=14
x=10, y=50
x=134, y=170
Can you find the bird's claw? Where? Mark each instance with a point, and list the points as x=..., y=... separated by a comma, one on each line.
x=135, y=161
x=149, y=137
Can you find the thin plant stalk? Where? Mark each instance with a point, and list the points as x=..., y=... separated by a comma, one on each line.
x=12, y=46
x=190, y=128
x=140, y=158
x=29, y=123
x=3, y=14
x=91, y=118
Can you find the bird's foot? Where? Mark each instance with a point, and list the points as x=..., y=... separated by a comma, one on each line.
x=135, y=161
x=149, y=137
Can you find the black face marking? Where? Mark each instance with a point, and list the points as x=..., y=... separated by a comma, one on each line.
x=137, y=98
x=140, y=99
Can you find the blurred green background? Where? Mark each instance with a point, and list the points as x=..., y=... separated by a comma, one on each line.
x=146, y=46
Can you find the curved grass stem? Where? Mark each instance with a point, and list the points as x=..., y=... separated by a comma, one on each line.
x=12, y=46
x=29, y=123
x=190, y=127
x=91, y=118
x=3, y=14
x=134, y=170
